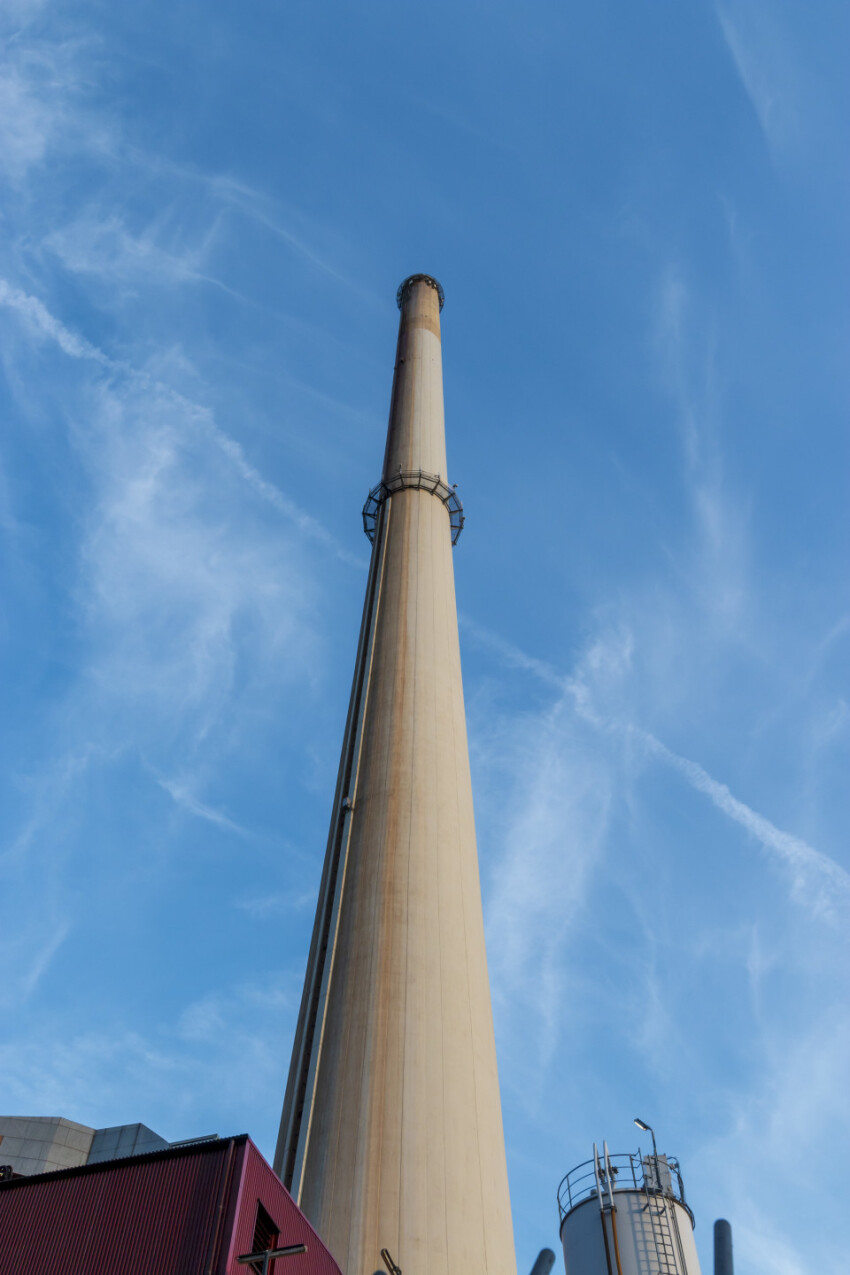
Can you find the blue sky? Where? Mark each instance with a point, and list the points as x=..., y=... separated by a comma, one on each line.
x=638, y=212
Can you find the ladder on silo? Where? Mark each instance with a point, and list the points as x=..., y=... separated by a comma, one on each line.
x=668, y=1246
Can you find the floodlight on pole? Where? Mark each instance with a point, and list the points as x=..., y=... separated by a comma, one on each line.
x=647, y=1128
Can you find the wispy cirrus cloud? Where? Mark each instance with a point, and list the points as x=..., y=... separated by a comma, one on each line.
x=266, y=906
x=43, y=957
x=259, y=208
x=556, y=880
x=196, y=416
x=48, y=792
x=43, y=325
x=789, y=1115
x=596, y=691
x=763, y=58
x=47, y=87
x=817, y=881
x=715, y=563
x=552, y=822
x=44, y=96
x=30, y=949
x=174, y=1072
x=105, y=248
x=183, y=796
x=188, y=601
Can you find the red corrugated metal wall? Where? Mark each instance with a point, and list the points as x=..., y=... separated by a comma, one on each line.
x=261, y=1183
x=190, y=1211
x=156, y=1216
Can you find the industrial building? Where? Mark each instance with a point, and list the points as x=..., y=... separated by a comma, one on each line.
x=39, y=1144
x=195, y=1208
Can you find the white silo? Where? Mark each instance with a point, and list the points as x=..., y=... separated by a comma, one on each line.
x=627, y=1215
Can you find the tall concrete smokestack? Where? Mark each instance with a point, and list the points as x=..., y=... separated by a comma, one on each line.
x=391, y=1135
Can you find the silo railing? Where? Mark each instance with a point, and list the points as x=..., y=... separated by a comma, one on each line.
x=654, y=1175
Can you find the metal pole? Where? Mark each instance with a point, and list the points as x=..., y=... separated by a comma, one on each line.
x=389, y=1263
x=641, y=1124
x=678, y=1236
x=723, y=1248
x=545, y=1262
x=269, y=1255
x=609, y=1178
x=602, y=1211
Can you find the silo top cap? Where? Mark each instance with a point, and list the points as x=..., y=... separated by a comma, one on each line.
x=419, y=278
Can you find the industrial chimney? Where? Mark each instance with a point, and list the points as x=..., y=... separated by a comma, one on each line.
x=391, y=1135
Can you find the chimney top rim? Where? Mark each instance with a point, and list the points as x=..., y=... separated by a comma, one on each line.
x=419, y=278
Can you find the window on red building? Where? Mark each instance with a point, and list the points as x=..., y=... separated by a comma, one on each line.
x=266, y=1234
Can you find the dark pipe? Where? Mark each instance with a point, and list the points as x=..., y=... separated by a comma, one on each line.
x=545, y=1262
x=609, y=1268
x=614, y=1233
x=723, y=1248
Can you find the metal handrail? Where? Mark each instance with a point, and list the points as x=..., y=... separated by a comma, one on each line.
x=628, y=1173
x=418, y=480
